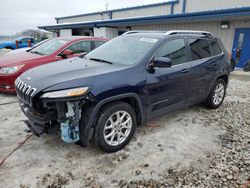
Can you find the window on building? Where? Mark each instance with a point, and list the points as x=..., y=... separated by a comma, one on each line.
x=175, y=50
x=199, y=49
x=80, y=47
x=216, y=48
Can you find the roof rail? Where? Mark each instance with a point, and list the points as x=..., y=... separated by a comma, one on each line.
x=175, y=32
x=141, y=31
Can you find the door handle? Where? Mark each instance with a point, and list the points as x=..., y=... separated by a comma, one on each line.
x=213, y=64
x=185, y=70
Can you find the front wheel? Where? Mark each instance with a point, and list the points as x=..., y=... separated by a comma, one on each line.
x=217, y=95
x=116, y=126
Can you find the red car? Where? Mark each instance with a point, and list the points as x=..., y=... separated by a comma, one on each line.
x=13, y=65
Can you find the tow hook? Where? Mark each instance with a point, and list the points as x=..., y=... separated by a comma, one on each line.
x=70, y=128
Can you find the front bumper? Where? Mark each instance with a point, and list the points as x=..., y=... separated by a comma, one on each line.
x=36, y=117
x=38, y=123
x=7, y=83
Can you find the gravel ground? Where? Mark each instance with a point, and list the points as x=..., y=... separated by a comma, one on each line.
x=195, y=147
x=4, y=51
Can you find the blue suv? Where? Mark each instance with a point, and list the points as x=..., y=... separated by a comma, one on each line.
x=129, y=80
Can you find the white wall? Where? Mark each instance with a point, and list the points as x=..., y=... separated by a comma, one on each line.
x=105, y=32
x=144, y=11
x=201, y=5
x=65, y=32
x=191, y=6
x=150, y=11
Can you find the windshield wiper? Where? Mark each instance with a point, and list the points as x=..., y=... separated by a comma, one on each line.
x=101, y=60
x=36, y=52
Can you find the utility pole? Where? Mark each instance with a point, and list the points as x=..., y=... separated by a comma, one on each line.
x=107, y=5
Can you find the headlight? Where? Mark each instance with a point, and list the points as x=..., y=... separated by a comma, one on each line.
x=66, y=93
x=10, y=70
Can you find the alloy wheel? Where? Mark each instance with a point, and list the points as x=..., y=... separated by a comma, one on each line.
x=117, y=128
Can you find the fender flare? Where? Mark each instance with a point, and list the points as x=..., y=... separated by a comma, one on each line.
x=100, y=104
x=89, y=127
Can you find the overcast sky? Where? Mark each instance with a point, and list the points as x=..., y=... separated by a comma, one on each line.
x=17, y=15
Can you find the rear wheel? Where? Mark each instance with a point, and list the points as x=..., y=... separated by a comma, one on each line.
x=216, y=97
x=116, y=126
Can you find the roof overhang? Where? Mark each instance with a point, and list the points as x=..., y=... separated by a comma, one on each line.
x=223, y=14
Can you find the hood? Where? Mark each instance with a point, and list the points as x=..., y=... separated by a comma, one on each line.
x=19, y=50
x=17, y=59
x=66, y=74
x=6, y=43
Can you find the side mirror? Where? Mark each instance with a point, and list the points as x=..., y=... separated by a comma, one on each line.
x=66, y=53
x=162, y=62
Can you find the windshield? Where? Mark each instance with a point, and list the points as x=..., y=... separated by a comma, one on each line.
x=49, y=47
x=126, y=50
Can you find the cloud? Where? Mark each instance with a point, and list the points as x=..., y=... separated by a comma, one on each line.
x=17, y=15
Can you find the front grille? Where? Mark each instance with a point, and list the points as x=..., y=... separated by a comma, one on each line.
x=24, y=91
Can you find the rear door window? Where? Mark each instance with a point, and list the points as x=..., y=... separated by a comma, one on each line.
x=215, y=47
x=199, y=48
x=99, y=43
x=80, y=47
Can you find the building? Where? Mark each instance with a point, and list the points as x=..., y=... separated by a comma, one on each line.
x=227, y=19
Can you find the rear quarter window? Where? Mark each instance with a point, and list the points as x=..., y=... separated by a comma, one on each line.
x=199, y=48
x=215, y=47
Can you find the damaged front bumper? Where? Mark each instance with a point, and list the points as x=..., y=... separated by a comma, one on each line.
x=38, y=123
x=56, y=115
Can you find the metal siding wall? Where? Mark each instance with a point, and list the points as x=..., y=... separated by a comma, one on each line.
x=151, y=11
x=111, y=33
x=226, y=36
x=106, y=32
x=201, y=5
x=65, y=32
x=178, y=7
x=81, y=19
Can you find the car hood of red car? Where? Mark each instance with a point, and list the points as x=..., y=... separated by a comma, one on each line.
x=18, y=58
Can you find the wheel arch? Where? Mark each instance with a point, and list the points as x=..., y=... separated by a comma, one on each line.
x=224, y=77
x=133, y=99
x=9, y=47
x=130, y=98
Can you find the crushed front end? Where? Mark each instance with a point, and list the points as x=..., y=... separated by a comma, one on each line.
x=53, y=111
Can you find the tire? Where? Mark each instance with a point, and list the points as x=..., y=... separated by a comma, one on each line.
x=232, y=65
x=217, y=95
x=9, y=48
x=110, y=126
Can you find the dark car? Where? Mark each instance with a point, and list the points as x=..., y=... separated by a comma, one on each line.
x=13, y=65
x=124, y=83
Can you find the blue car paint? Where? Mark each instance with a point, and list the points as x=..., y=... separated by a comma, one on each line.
x=12, y=44
x=156, y=91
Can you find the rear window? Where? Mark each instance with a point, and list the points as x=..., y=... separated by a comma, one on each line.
x=215, y=47
x=199, y=49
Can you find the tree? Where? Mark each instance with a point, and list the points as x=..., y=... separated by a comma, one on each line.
x=36, y=33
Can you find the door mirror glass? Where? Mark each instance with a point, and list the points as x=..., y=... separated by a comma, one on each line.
x=66, y=53
x=162, y=62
